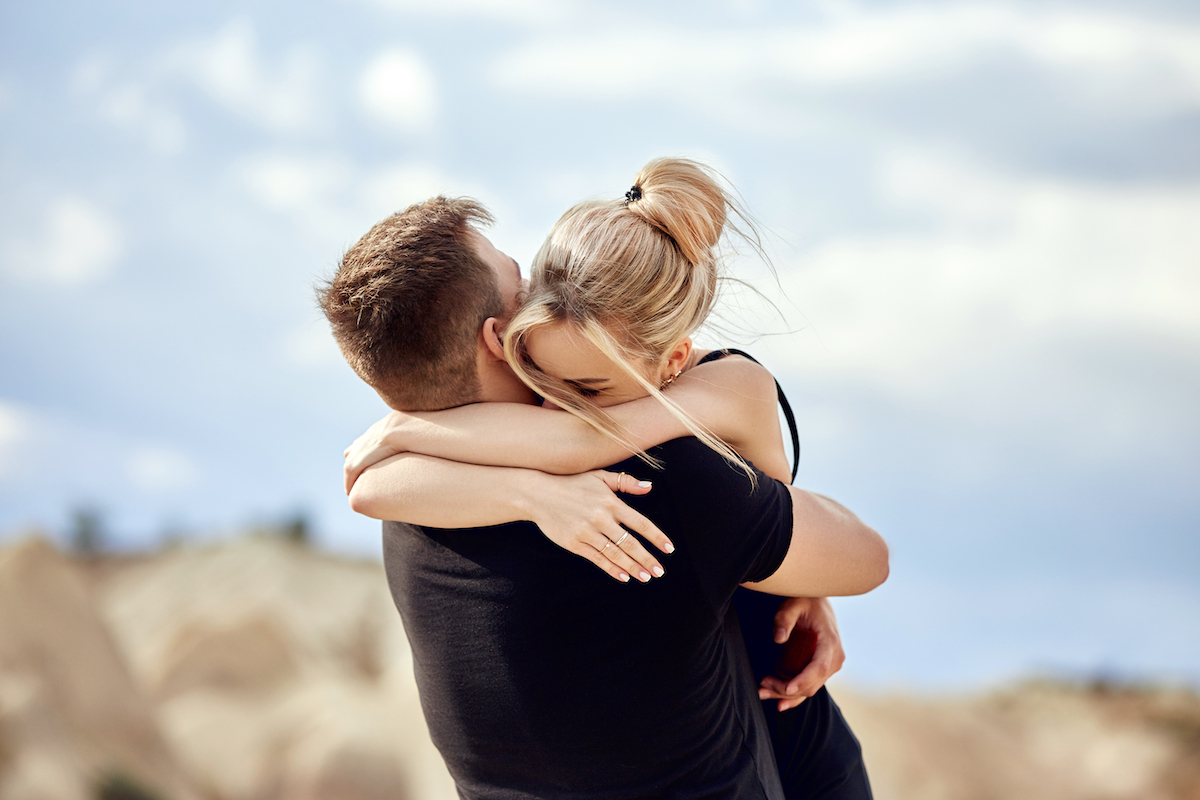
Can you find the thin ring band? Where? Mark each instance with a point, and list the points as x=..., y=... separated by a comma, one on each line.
x=602, y=549
x=620, y=481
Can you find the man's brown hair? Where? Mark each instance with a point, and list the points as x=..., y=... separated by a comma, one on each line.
x=408, y=301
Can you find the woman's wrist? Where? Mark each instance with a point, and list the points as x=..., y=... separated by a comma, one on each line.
x=398, y=436
x=526, y=490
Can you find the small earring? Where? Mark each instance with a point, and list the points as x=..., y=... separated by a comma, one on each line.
x=670, y=380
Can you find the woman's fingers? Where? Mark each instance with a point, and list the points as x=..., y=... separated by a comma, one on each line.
x=608, y=547
x=593, y=555
x=614, y=560
x=641, y=525
x=785, y=620
x=599, y=536
x=632, y=547
x=772, y=688
x=623, y=482
x=810, y=679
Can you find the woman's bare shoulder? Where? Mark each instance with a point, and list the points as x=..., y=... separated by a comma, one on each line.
x=735, y=371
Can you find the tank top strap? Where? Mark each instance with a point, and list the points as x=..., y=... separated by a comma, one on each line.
x=783, y=401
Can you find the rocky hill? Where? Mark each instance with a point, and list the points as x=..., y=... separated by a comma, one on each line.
x=260, y=670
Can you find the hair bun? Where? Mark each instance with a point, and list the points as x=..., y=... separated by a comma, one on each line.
x=683, y=199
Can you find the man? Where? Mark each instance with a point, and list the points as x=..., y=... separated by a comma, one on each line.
x=539, y=676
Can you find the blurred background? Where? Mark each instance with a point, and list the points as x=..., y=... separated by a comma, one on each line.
x=984, y=218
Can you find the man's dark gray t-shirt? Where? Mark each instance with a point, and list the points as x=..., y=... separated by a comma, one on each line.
x=542, y=677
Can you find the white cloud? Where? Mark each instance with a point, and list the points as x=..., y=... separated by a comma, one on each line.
x=162, y=128
x=233, y=71
x=1005, y=301
x=1091, y=254
x=336, y=199
x=312, y=346
x=15, y=428
x=398, y=89
x=79, y=244
x=131, y=106
x=1144, y=66
x=295, y=183
x=534, y=12
x=318, y=193
x=229, y=67
x=399, y=186
x=160, y=469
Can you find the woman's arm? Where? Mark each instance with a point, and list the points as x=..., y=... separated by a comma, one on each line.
x=579, y=513
x=733, y=397
x=832, y=552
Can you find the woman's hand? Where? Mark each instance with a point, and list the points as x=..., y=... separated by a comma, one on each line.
x=582, y=514
x=816, y=614
x=372, y=447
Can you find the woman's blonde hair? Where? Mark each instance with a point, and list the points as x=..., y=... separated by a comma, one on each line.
x=634, y=278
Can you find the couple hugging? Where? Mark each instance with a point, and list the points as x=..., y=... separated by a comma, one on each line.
x=540, y=675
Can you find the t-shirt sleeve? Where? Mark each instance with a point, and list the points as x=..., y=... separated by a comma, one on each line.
x=739, y=531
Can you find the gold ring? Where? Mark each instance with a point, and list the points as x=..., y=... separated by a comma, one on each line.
x=620, y=481
x=624, y=536
x=602, y=549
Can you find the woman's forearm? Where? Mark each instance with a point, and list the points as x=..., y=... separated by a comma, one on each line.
x=513, y=435
x=579, y=513
x=444, y=494
x=733, y=399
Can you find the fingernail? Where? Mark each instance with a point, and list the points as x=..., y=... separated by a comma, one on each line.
x=658, y=571
x=624, y=578
x=670, y=547
x=645, y=484
x=645, y=576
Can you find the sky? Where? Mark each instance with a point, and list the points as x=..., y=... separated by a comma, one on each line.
x=981, y=217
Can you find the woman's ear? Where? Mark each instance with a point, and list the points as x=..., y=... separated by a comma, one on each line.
x=677, y=360
x=491, y=338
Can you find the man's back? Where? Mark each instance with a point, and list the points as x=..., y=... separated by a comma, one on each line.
x=542, y=677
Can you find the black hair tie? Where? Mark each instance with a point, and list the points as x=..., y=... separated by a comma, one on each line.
x=633, y=195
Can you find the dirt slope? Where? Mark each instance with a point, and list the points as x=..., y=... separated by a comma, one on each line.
x=259, y=670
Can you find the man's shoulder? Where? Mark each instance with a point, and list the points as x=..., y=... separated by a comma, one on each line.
x=690, y=466
x=708, y=489
x=397, y=527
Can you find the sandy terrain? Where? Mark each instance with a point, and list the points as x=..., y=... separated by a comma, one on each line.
x=260, y=670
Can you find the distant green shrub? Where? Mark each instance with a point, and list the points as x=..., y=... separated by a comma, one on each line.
x=119, y=786
x=86, y=535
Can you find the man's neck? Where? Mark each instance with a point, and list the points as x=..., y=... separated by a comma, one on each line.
x=498, y=384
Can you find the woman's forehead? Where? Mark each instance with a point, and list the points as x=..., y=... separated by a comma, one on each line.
x=560, y=349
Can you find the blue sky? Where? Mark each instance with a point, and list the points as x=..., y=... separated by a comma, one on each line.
x=982, y=215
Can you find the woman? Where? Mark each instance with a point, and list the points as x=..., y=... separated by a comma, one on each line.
x=616, y=292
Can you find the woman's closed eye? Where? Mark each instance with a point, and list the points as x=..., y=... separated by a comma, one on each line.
x=587, y=387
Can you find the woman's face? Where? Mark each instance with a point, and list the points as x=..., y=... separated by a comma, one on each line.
x=560, y=351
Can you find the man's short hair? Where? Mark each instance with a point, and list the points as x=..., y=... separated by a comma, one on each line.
x=408, y=301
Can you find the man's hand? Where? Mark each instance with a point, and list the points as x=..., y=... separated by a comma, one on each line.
x=816, y=614
x=372, y=447
x=582, y=514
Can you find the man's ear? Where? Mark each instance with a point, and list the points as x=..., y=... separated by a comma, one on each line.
x=677, y=359
x=491, y=338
